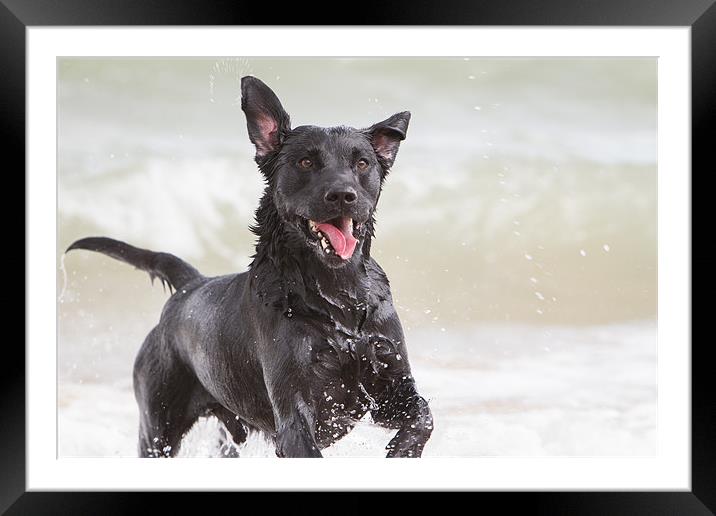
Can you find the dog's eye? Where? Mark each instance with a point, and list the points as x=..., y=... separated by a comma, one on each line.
x=362, y=164
x=305, y=163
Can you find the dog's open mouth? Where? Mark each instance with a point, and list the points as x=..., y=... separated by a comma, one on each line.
x=336, y=235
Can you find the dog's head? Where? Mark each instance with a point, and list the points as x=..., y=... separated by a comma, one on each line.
x=324, y=182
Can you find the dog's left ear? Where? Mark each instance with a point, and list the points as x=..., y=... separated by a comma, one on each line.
x=267, y=121
x=386, y=136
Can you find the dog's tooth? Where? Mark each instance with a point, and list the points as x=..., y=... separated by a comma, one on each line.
x=324, y=244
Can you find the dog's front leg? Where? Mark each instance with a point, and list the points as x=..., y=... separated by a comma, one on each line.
x=400, y=406
x=294, y=419
x=294, y=432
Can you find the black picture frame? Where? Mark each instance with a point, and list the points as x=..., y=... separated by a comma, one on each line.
x=700, y=15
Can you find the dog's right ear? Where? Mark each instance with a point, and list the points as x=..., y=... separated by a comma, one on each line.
x=266, y=119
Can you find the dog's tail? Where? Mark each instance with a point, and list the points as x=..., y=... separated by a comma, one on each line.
x=167, y=267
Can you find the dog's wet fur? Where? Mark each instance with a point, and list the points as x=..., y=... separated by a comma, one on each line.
x=307, y=341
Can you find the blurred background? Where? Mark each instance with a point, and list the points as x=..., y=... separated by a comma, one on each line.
x=518, y=228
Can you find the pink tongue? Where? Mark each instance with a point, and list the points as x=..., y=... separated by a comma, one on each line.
x=342, y=239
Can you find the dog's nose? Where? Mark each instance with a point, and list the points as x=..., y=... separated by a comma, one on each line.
x=341, y=196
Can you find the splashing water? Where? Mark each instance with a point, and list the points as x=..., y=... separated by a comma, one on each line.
x=225, y=80
x=64, y=279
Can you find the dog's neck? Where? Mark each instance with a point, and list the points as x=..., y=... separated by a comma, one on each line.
x=285, y=271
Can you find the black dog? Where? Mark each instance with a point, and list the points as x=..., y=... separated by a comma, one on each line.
x=307, y=341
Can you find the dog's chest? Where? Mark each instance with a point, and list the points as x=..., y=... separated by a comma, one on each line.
x=338, y=367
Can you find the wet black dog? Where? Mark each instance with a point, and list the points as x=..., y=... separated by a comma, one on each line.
x=307, y=341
